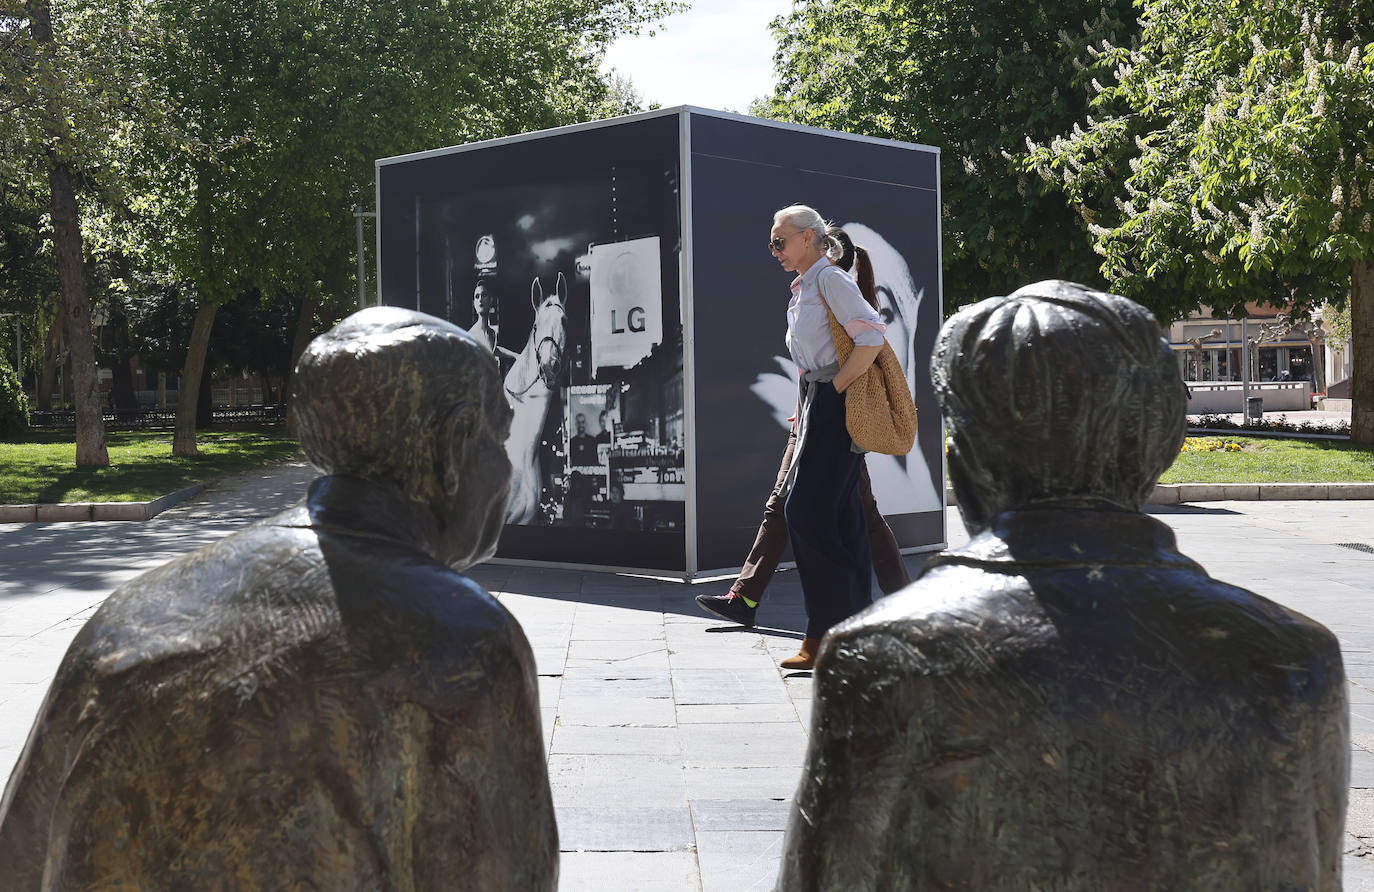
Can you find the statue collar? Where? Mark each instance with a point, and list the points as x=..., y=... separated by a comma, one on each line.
x=352, y=506
x=1071, y=534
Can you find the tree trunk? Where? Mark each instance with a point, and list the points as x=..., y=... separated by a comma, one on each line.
x=71, y=272
x=90, y=425
x=305, y=324
x=47, y=378
x=122, y=385
x=1362, y=350
x=188, y=392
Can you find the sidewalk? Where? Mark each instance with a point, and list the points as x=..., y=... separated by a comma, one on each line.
x=674, y=740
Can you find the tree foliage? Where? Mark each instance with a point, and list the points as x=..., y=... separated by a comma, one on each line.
x=282, y=108
x=14, y=404
x=975, y=79
x=1229, y=159
x=218, y=149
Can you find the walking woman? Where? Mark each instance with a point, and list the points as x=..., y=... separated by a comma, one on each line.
x=741, y=602
x=825, y=517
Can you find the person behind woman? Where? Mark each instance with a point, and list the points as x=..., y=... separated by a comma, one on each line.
x=741, y=602
x=825, y=518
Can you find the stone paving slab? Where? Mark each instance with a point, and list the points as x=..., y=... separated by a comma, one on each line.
x=628, y=872
x=738, y=861
x=675, y=744
x=724, y=815
x=755, y=745
x=617, y=711
x=592, y=740
x=619, y=828
x=606, y=781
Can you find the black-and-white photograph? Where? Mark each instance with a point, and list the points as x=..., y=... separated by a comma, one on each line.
x=564, y=251
x=589, y=427
x=562, y=254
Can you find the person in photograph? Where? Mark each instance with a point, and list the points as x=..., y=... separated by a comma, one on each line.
x=582, y=445
x=578, y=500
x=741, y=602
x=823, y=509
x=622, y=514
x=483, y=311
x=605, y=435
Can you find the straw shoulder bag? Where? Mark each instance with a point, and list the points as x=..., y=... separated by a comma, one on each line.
x=879, y=411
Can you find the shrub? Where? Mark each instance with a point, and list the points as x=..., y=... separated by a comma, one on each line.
x=1281, y=424
x=14, y=404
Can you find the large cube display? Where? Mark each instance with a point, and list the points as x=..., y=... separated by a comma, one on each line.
x=619, y=270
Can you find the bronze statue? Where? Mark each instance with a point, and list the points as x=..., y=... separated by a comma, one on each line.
x=320, y=701
x=1068, y=703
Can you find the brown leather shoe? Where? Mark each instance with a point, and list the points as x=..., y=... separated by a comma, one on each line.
x=806, y=657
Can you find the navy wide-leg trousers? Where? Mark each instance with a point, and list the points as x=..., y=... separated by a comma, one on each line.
x=825, y=518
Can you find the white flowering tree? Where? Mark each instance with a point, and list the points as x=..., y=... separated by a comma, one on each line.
x=1229, y=159
x=973, y=78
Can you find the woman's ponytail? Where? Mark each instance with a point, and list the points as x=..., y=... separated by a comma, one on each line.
x=863, y=276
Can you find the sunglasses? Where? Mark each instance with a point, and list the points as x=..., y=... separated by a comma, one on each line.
x=776, y=245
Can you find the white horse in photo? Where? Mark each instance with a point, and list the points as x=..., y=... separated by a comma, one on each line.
x=529, y=387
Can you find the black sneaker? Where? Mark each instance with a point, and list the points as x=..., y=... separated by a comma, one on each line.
x=731, y=607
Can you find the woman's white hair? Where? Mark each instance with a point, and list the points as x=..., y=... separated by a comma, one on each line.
x=806, y=219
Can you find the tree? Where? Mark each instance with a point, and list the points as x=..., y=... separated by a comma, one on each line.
x=277, y=111
x=975, y=80
x=28, y=276
x=57, y=91
x=1229, y=160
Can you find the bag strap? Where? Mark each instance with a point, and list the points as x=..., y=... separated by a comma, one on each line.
x=844, y=344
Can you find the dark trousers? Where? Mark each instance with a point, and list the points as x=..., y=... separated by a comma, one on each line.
x=825, y=518
x=763, y=558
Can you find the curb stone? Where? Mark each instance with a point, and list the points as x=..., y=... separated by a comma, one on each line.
x=97, y=511
x=1176, y=493
x=1164, y=494
x=1173, y=493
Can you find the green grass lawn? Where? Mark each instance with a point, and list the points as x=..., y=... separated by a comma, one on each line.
x=42, y=466
x=1263, y=460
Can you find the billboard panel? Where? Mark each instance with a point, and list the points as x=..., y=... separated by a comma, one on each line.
x=886, y=196
x=563, y=252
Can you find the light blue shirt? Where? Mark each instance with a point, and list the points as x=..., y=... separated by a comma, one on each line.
x=808, y=326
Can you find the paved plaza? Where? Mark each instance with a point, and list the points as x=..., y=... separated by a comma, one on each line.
x=674, y=740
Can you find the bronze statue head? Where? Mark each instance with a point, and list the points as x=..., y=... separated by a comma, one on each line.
x=1056, y=392
x=403, y=399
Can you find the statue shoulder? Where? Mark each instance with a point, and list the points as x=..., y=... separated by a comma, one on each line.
x=952, y=618
x=187, y=604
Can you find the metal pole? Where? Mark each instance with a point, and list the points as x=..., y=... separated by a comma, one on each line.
x=358, y=215
x=362, y=265
x=1244, y=371
x=1230, y=372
